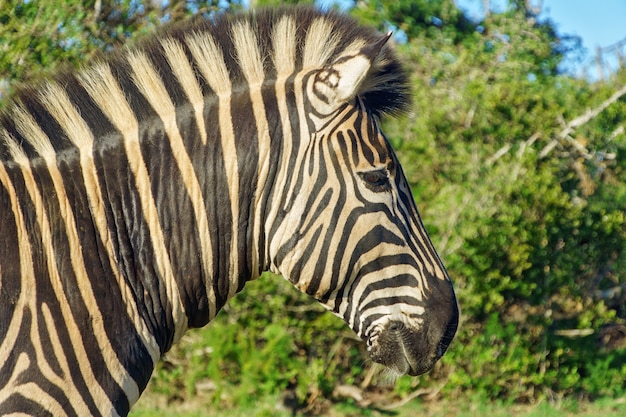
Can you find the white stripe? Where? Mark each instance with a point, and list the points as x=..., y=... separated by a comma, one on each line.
x=284, y=55
x=25, y=260
x=284, y=47
x=25, y=300
x=320, y=43
x=248, y=54
x=28, y=127
x=182, y=69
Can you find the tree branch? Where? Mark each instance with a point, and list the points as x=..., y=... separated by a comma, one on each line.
x=579, y=121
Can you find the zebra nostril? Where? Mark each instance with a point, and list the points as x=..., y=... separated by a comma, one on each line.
x=395, y=326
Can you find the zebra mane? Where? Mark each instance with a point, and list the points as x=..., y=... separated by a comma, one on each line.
x=321, y=37
x=275, y=41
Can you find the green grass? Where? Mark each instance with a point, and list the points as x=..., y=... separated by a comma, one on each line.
x=153, y=405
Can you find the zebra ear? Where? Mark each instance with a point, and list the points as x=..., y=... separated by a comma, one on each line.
x=341, y=81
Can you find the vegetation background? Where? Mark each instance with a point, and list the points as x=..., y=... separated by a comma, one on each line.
x=519, y=171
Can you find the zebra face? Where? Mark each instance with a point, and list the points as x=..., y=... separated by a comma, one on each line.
x=393, y=290
x=352, y=236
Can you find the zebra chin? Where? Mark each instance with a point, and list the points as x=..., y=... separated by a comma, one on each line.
x=405, y=350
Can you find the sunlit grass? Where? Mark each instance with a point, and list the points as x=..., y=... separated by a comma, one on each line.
x=153, y=406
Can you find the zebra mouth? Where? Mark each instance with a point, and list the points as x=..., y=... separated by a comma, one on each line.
x=409, y=351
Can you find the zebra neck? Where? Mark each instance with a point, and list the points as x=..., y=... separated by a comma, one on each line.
x=186, y=230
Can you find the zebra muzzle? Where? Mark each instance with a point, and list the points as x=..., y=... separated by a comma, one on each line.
x=411, y=351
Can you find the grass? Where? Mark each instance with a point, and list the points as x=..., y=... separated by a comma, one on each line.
x=152, y=405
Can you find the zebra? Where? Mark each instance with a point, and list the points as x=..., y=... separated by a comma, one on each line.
x=140, y=193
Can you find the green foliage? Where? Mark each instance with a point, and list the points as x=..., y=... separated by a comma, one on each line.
x=416, y=18
x=38, y=36
x=529, y=219
x=267, y=339
x=526, y=207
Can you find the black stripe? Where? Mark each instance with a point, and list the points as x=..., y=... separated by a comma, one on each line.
x=61, y=331
x=131, y=239
x=382, y=300
x=275, y=126
x=10, y=271
x=180, y=237
x=218, y=205
x=246, y=141
x=17, y=403
x=47, y=123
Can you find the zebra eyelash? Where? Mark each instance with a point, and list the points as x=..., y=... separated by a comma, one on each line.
x=376, y=180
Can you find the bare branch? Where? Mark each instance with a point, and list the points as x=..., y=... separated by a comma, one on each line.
x=97, y=9
x=590, y=114
x=616, y=132
x=579, y=121
x=499, y=154
x=506, y=148
x=573, y=333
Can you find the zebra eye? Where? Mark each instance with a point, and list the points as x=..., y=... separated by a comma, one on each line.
x=377, y=181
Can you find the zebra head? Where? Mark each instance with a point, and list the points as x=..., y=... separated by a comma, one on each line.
x=348, y=231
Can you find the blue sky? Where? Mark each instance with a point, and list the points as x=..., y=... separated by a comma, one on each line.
x=600, y=23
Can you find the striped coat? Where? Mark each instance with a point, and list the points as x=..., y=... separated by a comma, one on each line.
x=141, y=193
